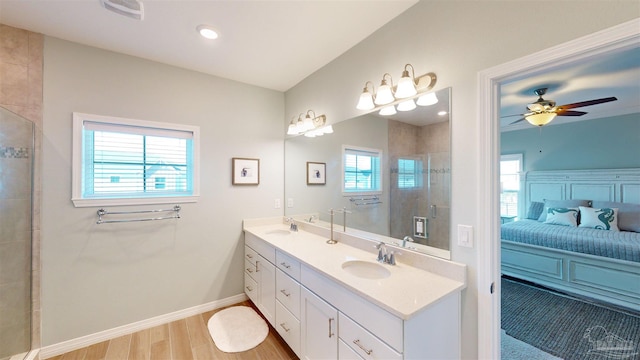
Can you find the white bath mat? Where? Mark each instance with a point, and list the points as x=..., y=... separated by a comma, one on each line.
x=238, y=328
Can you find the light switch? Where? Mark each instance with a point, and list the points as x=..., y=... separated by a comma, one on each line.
x=290, y=202
x=465, y=235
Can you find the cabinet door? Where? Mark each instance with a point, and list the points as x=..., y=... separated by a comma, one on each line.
x=266, y=278
x=319, y=323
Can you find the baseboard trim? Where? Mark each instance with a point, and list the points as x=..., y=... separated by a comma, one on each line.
x=88, y=340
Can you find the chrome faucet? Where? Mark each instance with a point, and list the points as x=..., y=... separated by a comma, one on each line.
x=313, y=217
x=383, y=256
x=405, y=239
x=293, y=226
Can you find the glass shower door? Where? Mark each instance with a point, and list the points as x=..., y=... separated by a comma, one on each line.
x=16, y=181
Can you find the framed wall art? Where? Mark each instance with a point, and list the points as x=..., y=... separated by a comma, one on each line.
x=245, y=171
x=316, y=173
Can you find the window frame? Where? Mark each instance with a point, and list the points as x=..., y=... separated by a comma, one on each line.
x=78, y=163
x=520, y=158
x=346, y=193
x=417, y=173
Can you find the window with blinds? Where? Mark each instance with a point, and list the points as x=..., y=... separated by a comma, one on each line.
x=361, y=170
x=409, y=173
x=510, y=169
x=123, y=161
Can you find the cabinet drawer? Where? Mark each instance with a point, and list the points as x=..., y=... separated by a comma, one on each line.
x=288, y=293
x=250, y=287
x=347, y=353
x=288, y=327
x=363, y=342
x=250, y=255
x=250, y=268
x=261, y=247
x=288, y=264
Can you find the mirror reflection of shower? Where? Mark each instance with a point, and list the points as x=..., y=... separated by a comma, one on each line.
x=16, y=178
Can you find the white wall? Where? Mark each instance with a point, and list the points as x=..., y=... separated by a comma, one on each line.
x=456, y=40
x=97, y=277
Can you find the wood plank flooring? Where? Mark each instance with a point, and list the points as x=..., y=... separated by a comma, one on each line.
x=179, y=340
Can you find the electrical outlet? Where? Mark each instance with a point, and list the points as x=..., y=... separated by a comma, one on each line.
x=277, y=204
x=465, y=235
x=290, y=202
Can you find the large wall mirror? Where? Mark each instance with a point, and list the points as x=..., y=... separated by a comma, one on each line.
x=412, y=175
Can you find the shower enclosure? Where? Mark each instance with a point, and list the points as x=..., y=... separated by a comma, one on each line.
x=16, y=189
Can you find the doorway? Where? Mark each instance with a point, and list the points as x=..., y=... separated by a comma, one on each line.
x=617, y=38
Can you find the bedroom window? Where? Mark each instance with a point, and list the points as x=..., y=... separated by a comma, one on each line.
x=125, y=162
x=361, y=171
x=510, y=169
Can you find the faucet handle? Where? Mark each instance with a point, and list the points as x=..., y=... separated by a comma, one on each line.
x=392, y=259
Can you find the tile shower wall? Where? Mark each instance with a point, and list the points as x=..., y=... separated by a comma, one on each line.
x=429, y=144
x=16, y=153
x=21, y=73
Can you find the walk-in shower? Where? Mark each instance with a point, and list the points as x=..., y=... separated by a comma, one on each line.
x=16, y=189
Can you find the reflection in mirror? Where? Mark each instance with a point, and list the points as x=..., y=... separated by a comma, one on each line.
x=415, y=177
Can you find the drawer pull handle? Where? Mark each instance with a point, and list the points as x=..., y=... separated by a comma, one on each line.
x=249, y=288
x=284, y=327
x=357, y=342
x=285, y=265
x=285, y=293
x=257, y=262
x=249, y=256
x=330, y=333
x=249, y=270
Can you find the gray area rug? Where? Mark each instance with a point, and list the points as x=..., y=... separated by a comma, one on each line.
x=567, y=327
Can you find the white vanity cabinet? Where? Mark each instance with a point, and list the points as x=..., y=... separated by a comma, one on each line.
x=319, y=321
x=260, y=276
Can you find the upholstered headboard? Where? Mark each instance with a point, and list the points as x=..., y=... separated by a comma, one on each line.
x=618, y=185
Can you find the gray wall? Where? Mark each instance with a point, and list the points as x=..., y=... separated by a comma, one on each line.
x=97, y=277
x=607, y=143
x=456, y=40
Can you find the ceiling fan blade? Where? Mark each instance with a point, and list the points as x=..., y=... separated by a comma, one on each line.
x=587, y=103
x=570, y=113
x=517, y=121
x=506, y=116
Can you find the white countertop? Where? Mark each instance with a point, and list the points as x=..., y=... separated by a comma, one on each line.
x=407, y=291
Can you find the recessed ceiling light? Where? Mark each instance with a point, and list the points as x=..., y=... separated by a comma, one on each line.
x=207, y=31
x=442, y=113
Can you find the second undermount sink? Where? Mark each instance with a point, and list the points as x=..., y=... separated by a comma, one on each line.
x=278, y=232
x=366, y=269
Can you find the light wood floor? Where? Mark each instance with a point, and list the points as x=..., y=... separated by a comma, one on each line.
x=179, y=340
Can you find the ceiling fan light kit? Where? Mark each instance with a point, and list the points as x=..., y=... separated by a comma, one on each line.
x=544, y=111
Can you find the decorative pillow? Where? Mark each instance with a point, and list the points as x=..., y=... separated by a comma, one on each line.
x=628, y=214
x=535, y=209
x=604, y=219
x=562, y=216
x=571, y=203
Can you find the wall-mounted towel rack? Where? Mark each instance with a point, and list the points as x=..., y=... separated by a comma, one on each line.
x=102, y=212
x=372, y=200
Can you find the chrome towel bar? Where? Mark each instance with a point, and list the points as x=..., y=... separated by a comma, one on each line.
x=102, y=212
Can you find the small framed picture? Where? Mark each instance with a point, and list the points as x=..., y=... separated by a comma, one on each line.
x=246, y=171
x=316, y=173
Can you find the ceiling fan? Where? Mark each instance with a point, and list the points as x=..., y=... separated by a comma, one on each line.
x=543, y=111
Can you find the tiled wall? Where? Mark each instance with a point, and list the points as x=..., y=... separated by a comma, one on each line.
x=430, y=144
x=21, y=69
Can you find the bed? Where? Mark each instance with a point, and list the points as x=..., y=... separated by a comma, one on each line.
x=599, y=264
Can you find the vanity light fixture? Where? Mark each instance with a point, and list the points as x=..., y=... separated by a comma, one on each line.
x=388, y=96
x=207, y=32
x=309, y=124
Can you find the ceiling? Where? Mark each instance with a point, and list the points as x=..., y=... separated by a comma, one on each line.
x=271, y=44
x=614, y=74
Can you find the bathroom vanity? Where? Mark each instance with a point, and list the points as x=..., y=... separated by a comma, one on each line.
x=337, y=302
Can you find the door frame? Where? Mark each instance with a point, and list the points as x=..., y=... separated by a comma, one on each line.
x=617, y=38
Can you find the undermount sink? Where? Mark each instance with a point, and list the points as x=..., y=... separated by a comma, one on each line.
x=278, y=232
x=366, y=269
